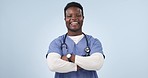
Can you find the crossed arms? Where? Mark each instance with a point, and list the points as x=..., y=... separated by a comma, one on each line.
x=58, y=63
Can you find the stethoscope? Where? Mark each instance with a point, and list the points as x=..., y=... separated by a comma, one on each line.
x=87, y=49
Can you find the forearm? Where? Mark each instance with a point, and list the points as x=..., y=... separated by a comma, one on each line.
x=93, y=62
x=56, y=64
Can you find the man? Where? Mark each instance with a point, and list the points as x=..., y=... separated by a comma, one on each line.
x=75, y=54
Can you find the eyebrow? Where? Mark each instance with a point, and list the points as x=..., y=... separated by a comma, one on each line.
x=77, y=11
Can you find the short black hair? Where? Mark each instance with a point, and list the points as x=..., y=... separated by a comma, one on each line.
x=73, y=4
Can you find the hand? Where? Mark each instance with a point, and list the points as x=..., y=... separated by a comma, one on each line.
x=78, y=67
x=72, y=58
x=64, y=58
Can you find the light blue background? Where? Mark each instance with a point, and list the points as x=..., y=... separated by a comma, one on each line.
x=28, y=26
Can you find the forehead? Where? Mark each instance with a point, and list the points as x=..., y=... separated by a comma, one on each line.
x=73, y=9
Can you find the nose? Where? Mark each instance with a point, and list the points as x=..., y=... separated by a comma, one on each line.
x=74, y=18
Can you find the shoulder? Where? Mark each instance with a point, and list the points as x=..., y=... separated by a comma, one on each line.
x=58, y=40
x=92, y=39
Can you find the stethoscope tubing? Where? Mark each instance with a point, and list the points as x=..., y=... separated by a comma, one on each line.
x=87, y=49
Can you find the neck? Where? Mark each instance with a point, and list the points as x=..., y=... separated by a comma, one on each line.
x=74, y=33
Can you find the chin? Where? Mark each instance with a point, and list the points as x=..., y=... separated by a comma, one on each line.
x=74, y=30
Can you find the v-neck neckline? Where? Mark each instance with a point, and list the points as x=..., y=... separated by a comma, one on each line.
x=74, y=42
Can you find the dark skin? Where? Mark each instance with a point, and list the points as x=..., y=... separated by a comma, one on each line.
x=74, y=21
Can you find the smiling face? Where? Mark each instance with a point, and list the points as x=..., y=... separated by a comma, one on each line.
x=74, y=20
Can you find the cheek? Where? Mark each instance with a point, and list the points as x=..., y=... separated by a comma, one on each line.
x=67, y=20
x=81, y=19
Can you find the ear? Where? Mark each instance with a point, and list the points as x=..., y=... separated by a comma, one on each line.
x=83, y=17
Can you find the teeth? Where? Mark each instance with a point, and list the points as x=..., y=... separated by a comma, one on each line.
x=74, y=22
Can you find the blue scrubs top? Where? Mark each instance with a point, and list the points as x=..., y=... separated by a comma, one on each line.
x=77, y=49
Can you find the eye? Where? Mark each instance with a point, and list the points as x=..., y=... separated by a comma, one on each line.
x=78, y=15
x=69, y=16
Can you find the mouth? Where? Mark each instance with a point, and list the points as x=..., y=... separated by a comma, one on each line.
x=74, y=23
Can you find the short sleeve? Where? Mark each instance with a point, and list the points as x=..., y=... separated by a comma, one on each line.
x=55, y=46
x=96, y=46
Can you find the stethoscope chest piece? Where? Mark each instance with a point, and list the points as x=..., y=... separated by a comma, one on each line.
x=64, y=45
x=87, y=49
